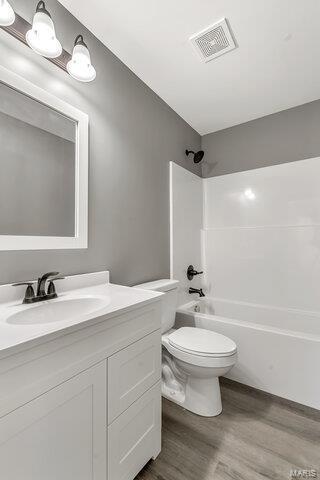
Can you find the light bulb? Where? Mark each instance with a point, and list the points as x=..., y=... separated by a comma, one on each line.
x=42, y=36
x=80, y=67
x=7, y=15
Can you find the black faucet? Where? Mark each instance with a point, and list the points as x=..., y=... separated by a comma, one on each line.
x=41, y=295
x=197, y=290
x=42, y=282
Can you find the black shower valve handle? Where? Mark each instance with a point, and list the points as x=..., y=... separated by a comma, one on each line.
x=191, y=272
x=195, y=272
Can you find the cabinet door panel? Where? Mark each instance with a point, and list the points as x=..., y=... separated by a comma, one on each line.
x=131, y=372
x=135, y=436
x=59, y=435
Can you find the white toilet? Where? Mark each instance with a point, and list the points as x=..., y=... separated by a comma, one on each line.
x=193, y=359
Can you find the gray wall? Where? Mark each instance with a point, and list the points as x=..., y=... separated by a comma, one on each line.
x=133, y=136
x=282, y=137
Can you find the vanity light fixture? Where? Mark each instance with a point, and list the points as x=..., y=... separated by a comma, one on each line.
x=42, y=36
x=80, y=66
x=7, y=15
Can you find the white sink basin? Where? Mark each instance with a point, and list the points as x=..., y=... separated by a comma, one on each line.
x=83, y=301
x=59, y=310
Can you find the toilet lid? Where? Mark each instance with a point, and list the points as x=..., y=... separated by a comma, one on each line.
x=202, y=342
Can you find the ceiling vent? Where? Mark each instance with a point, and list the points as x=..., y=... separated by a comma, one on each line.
x=213, y=41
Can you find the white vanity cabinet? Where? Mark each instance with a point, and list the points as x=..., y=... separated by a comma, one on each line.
x=85, y=405
x=134, y=407
x=135, y=436
x=131, y=372
x=58, y=435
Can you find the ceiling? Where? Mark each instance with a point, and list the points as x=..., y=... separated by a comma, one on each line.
x=276, y=65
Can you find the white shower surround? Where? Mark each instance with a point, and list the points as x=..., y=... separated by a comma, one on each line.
x=261, y=256
x=186, y=219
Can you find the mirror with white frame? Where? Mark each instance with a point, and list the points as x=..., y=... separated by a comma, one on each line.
x=43, y=169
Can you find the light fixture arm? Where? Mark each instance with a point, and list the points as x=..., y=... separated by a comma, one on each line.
x=41, y=7
x=80, y=41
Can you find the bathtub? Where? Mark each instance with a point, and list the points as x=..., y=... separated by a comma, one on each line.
x=278, y=348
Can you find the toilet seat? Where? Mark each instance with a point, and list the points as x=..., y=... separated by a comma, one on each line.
x=198, y=341
x=214, y=360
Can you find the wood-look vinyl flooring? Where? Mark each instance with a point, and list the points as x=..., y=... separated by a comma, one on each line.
x=258, y=436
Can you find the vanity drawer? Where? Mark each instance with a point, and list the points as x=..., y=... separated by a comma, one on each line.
x=135, y=437
x=131, y=372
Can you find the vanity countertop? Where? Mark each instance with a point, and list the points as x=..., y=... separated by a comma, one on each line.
x=84, y=300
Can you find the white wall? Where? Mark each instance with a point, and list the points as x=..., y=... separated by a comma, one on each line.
x=262, y=233
x=186, y=213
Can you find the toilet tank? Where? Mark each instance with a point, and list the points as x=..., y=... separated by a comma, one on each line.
x=169, y=300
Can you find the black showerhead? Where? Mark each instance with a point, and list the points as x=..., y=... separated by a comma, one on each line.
x=197, y=156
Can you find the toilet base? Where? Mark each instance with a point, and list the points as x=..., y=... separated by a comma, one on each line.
x=198, y=395
x=192, y=386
